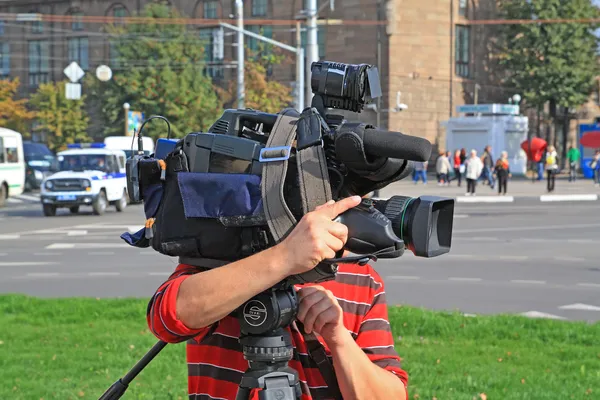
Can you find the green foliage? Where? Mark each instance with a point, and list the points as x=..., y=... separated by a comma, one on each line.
x=159, y=71
x=13, y=113
x=64, y=120
x=554, y=62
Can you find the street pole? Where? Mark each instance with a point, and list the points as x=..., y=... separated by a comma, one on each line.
x=239, y=5
x=299, y=69
x=379, y=61
x=312, y=46
x=126, y=109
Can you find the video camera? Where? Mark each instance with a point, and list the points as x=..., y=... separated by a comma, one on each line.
x=223, y=195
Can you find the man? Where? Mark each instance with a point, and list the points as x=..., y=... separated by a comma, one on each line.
x=488, y=165
x=573, y=158
x=349, y=315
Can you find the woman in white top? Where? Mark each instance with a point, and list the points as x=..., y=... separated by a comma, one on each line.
x=551, y=163
x=473, y=168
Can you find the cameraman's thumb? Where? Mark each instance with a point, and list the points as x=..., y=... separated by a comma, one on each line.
x=339, y=207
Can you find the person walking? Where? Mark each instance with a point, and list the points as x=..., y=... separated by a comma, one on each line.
x=488, y=166
x=573, y=156
x=551, y=162
x=595, y=165
x=420, y=171
x=502, y=171
x=473, y=167
x=442, y=167
x=459, y=167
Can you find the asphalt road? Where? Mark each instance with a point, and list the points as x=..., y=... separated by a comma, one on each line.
x=539, y=259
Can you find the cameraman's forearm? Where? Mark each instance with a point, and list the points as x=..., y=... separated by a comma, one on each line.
x=209, y=296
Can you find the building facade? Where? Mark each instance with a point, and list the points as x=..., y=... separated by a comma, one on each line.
x=429, y=56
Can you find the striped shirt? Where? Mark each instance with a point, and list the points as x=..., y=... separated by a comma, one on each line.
x=214, y=355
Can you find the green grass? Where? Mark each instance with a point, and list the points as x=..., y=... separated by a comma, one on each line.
x=76, y=348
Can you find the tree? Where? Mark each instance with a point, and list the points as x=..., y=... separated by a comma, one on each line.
x=261, y=92
x=554, y=63
x=65, y=121
x=159, y=71
x=13, y=113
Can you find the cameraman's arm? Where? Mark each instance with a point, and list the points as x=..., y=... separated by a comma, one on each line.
x=209, y=296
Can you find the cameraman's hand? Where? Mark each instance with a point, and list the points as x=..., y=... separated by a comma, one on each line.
x=316, y=237
x=321, y=313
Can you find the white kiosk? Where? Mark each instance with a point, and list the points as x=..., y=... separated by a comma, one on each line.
x=497, y=125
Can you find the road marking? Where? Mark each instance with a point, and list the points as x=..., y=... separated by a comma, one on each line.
x=580, y=241
x=514, y=258
x=9, y=237
x=42, y=274
x=86, y=246
x=77, y=233
x=404, y=278
x=47, y=254
x=476, y=239
x=525, y=281
x=104, y=273
x=589, y=284
x=13, y=200
x=28, y=197
x=527, y=228
x=572, y=259
x=130, y=228
x=579, y=306
x=160, y=273
x=537, y=314
x=461, y=216
x=485, y=199
x=25, y=263
x=465, y=279
x=3, y=254
x=101, y=253
x=568, y=197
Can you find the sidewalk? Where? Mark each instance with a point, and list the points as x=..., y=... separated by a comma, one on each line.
x=518, y=189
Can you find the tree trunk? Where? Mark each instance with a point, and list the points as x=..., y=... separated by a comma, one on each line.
x=552, y=124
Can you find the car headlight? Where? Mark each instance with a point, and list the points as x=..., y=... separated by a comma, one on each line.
x=86, y=183
x=38, y=174
x=49, y=185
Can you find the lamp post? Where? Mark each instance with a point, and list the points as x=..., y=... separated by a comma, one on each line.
x=126, y=109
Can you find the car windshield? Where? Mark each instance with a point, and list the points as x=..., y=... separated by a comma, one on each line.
x=38, y=156
x=82, y=162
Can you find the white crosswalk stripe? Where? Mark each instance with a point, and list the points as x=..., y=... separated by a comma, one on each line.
x=24, y=198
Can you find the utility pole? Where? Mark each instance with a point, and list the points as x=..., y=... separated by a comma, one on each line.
x=241, y=93
x=312, y=44
x=299, y=68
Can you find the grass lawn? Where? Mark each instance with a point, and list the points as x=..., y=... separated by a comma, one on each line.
x=76, y=348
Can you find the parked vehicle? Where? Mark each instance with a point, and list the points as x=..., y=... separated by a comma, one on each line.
x=40, y=163
x=12, y=164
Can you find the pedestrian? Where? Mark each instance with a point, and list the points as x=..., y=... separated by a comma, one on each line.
x=442, y=167
x=595, y=166
x=488, y=166
x=420, y=171
x=502, y=171
x=573, y=156
x=551, y=162
x=451, y=171
x=473, y=166
x=459, y=167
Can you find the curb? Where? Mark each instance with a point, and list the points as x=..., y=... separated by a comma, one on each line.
x=543, y=198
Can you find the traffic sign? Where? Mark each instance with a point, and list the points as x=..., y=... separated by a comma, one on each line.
x=104, y=73
x=74, y=72
x=73, y=91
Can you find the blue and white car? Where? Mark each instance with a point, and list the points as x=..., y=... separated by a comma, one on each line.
x=89, y=175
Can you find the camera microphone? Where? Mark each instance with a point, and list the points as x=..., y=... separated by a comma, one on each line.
x=380, y=143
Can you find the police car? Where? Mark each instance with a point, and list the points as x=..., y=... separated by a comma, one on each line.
x=89, y=175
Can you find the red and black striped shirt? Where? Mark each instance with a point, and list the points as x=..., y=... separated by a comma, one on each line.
x=214, y=355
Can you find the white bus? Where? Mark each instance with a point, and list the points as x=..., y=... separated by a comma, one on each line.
x=124, y=143
x=12, y=164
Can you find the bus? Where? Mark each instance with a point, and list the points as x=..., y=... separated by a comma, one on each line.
x=12, y=165
x=125, y=143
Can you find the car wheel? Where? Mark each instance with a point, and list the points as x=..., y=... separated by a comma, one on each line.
x=100, y=203
x=74, y=209
x=49, y=210
x=3, y=194
x=122, y=202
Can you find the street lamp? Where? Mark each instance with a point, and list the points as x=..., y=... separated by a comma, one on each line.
x=126, y=108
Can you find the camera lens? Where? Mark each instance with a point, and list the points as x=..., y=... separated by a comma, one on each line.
x=423, y=223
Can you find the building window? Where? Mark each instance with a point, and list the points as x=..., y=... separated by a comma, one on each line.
x=77, y=23
x=463, y=7
x=267, y=31
x=210, y=9
x=78, y=51
x=119, y=12
x=39, y=64
x=259, y=8
x=320, y=41
x=113, y=54
x=462, y=51
x=1, y=28
x=36, y=26
x=4, y=60
x=213, y=50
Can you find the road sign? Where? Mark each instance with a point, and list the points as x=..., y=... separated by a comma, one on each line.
x=104, y=73
x=73, y=91
x=74, y=72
